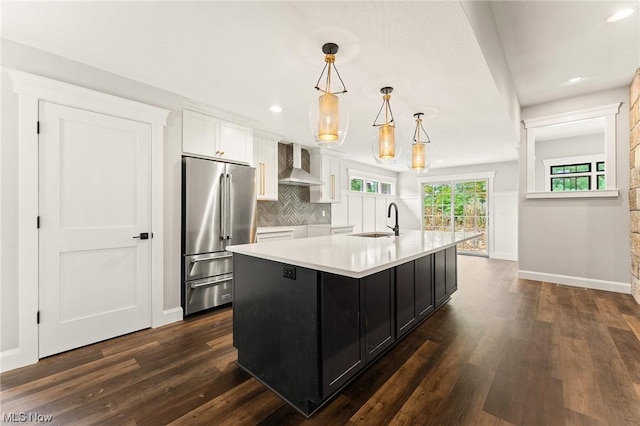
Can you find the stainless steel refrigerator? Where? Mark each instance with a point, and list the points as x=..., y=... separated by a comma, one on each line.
x=218, y=209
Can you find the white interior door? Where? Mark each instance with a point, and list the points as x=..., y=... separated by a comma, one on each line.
x=94, y=198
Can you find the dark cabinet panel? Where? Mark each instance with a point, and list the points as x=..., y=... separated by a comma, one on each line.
x=424, y=286
x=378, y=312
x=452, y=273
x=340, y=304
x=405, y=298
x=440, y=277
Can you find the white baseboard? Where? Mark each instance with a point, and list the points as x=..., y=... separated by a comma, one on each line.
x=12, y=359
x=504, y=256
x=169, y=316
x=614, y=286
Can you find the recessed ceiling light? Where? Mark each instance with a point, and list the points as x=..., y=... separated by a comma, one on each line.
x=439, y=161
x=275, y=108
x=574, y=79
x=621, y=14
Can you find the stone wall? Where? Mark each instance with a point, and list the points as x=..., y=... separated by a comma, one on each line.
x=634, y=184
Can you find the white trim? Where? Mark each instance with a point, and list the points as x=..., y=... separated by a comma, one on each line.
x=170, y=316
x=504, y=256
x=498, y=254
x=219, y=113
x=573, y=194
x=618, y=287
x=609, y=112
x=355, y=173
x=459, y=177
x=31, y=89
x=46, y=89
x=581, y=114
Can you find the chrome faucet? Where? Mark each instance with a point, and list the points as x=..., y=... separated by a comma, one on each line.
x=396, y=229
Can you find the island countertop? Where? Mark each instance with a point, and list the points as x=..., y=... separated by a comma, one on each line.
x=352, y=255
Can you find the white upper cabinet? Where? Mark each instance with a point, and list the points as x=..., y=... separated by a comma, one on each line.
x=208, y=136
x=199, y=133
x=265, y=160
x=236, y=142
x=325, y=165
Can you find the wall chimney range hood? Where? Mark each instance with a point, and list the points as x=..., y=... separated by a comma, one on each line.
x=295, y=175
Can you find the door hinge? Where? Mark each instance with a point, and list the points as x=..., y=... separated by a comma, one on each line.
x=38, y=317
x=38, y=222
x=38, y=127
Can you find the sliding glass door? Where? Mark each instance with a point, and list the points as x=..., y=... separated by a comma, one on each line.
x=458, y=206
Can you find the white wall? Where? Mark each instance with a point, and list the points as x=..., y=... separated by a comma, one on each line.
x=578, y=241
x=34, y=61
x=503, y=203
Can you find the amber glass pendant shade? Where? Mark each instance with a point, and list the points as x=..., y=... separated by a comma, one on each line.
x=420, y=159
x=386, y=141
x=328, y=117
x=383, y=143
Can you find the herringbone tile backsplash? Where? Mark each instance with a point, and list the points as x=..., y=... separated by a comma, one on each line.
x=293, y=206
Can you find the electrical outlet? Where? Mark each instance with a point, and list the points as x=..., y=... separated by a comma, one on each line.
x=289, y=271
x=323, y=213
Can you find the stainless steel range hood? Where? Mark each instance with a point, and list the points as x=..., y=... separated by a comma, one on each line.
x=295, y=175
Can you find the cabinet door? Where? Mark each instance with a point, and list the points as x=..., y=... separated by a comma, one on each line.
x=451, y=280
x=405, y=298
x=266, y=162
x=199, y=133
x=440, y=276
x=235, y=142
x=334, y=179
x=424, y=286
x=379, y=319
x=340, y=304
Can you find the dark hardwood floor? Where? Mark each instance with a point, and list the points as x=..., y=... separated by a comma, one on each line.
x=502, y=351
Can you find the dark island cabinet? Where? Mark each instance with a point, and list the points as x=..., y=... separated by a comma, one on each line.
x=406, y=302
x=445, y=274
x=425, y=302
x=379, y=318
x=341, y=344
x=414, y=293
x=307, y=333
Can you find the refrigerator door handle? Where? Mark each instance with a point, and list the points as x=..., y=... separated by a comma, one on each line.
x=229, y=214
x=223, y=207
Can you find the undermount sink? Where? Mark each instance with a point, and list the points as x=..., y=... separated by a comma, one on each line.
x=373, y=234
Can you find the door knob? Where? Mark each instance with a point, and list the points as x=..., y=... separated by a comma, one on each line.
x=144, y=236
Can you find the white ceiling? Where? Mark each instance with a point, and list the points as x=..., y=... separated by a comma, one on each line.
x=246, y=56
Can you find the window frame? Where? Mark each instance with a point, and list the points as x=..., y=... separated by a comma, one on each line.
x=592, y=160
x=609, y=113
x=374, y=178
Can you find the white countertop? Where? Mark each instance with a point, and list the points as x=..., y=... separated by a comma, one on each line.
x=354, y=256
x=330, y=226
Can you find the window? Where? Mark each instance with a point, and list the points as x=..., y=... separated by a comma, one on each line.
x=585, y=132
x=574, y=174
x=371, y=187
x=458, y=206
x=370, y=183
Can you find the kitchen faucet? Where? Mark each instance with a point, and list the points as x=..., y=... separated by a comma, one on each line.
x=396, y=229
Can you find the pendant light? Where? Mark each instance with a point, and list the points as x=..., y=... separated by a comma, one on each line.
x=384, y=139
x=328, y=119
x=420, y=159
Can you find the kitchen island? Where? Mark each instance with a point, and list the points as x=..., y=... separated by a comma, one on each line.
x=310, y=314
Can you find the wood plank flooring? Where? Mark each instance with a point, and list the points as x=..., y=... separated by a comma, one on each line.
x=502, y=351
